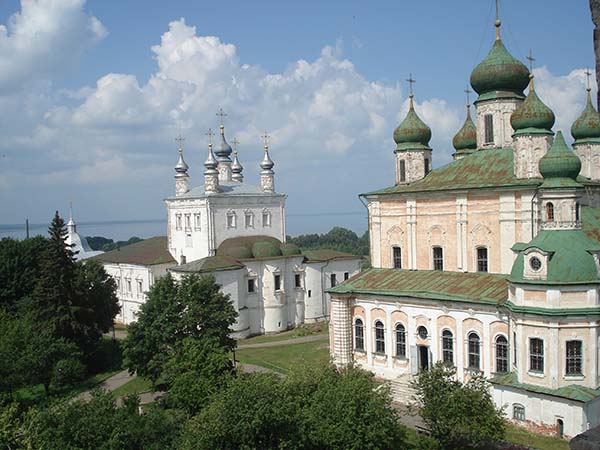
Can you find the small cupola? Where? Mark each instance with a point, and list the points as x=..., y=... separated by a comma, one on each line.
x=533, y=116
x=587, y=125
x=465, y=141
x=560, y=166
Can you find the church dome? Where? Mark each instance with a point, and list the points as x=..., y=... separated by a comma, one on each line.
x=559, y=162
x=466, y=138
x=500, y=73
x=587, y=125
x=412, y=131
x=236, y=252
x=532, y=113
x=265, y=249
x=289, y=249
x=224, y=149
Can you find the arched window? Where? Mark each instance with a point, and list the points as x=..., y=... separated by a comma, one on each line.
x=397, y=256
x=422, y=332
x=400, y=341
x=402, y=170
x=474, y=351
x=379, y=337
x=550, y=212
x=359, y=335
x=518, y=412
x=482, y=259
x=447, y=347
x=438, y=258
x=501, y=354
x=231, y=219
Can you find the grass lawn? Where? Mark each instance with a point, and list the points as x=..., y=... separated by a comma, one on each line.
x=135, y=386
x=305, y=330
x=282, y=358
x=520, y=436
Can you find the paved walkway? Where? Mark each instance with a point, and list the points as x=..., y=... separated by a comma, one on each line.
x=110, y=384
x=299, y=340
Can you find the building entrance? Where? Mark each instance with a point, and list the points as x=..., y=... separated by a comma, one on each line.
x=423, y=357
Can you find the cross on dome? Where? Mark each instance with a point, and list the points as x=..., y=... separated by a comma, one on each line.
x=221, y=114
x=587, y=79
x=210, y=135
x=266, y=138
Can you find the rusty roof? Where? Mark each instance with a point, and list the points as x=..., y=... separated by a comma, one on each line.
x=148, y=252
x=483, y=169
x=431, y=284
x=319, y=255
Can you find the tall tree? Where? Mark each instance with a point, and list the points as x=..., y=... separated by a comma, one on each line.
x=193, y=307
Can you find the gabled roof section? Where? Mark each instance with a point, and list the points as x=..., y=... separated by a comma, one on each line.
x=482, y=169
x=148, y=252
x=484, y=288
x=322, y=255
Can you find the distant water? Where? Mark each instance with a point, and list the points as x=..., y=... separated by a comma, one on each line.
x=121, y=230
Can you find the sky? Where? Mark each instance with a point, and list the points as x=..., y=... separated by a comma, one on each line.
x=93, y=93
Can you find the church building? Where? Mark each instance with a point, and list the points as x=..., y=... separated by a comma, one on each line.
x=489, y=263
x=234, y=231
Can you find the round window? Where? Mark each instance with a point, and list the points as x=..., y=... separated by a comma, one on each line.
x=535, y=263
x=422, y=332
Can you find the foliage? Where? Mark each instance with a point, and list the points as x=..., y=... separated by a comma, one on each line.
x=10, y=425
x=106, y=244
x=458, y=415
x=19, y=269
x=193, y=307
x=68, y=371
x=100, y=424
x=197, y=368
x=338, y=238
x=319, y=408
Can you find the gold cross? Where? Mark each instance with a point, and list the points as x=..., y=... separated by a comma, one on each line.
x=179, y=139
x=266, y=139
x=410, y=82
x=531, y=60
x=468, y=91
x=587, y=78
x=221, y=114
x=210, y=135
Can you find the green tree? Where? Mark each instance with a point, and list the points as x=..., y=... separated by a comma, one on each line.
x=101, y=424
x=251, y=413
x=458, y=415
x=193, y=307
x=195, y=371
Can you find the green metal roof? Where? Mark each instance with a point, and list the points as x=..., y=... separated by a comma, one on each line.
x=570, y=260
x=532, y=113
x=321, y=255
x=209, y=264
x=484, y=288
x=465, y=141
x=148, y=252
x=412, y=133
x=560, y=166
x=587, y=125
x=571, y=392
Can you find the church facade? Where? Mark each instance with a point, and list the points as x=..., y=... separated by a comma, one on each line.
x=234, y=231
x=490, y=263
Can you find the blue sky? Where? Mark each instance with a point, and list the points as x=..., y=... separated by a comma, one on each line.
x=93, y=93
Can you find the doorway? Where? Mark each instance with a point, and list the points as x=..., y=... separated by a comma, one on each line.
x=423, y=357
x=560, y=428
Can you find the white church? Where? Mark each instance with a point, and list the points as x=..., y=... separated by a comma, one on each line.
x=490, y=263
x=234, y=231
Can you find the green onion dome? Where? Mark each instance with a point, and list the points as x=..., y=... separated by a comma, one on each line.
x=587, y=126
x=499, y=74
x=466, y=139
x=559, y=162
x=532, y=113
x=412, y=132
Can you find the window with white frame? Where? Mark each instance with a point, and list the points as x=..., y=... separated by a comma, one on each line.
x=536, y=355
x=501, y=354
x=128, y=283
x=488, y=125
x=251, y=285
x=447, y=347
x=231, y=219
x=400, y=341
x=266, y=218
x=297, y=280
x=482, y=259
x=438, y=258
x=188, y=221
x=518, y=412
x=333, y=280
x=379, y=337
x=277, y=279
x=474, y=350
x=118, y=280
x=249, y=219
x=140, y=287
x=178, y=221
x=359, y=335
x=197, y=223
x=397, y=257
x=346, y=275
x=574, y=358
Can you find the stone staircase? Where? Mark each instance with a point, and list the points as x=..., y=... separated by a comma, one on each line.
x=401, y=390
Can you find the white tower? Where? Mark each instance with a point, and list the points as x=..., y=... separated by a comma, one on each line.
x=181, y=171
x=267, y=176
x=223, y=152
x=236, y=167
x=211, y=174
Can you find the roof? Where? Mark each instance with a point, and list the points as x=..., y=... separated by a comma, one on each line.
x=209, y=264
x=572, y=392
x=227, y=188
x=482, y=169
x=570, y=260
x=148, y=252
x=590, y=221
x=430, y=284
x=321, y=255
